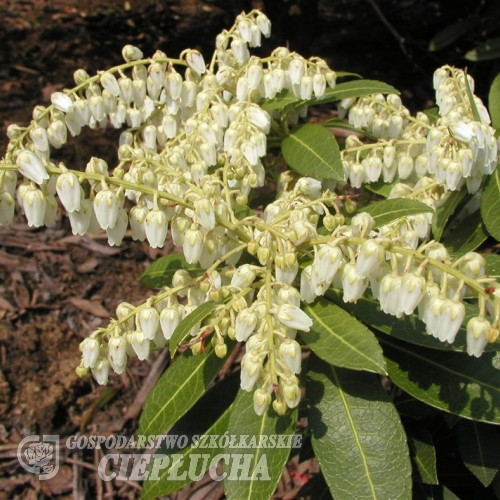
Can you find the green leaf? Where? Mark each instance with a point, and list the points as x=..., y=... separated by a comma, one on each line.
x=357, y=88
x=494, y=102
x=492, y=265
x=160, y=272
x=386, y=211
x=381, y=188
x=280, y=102
x=485, y=52
x=266, y=462
x=338, y=123
x=472, y=102
x=341, y=340
x=452, y=33
x=479, y=446
x=490, y=205
x=313, y=151
x=454, y=382
x=188, y=323
x=183, y=383
x=468, y=236
x=357, y=436
x=208, y=417
x=423, y=453
x=432, y=114
x=444, y=212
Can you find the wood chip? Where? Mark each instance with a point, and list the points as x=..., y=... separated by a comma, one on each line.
x=88, y=266
x=90, y=306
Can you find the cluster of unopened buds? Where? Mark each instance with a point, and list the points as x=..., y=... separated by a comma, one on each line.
x=191, y=153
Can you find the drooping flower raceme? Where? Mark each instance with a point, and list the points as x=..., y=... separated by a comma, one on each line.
x=193, y=152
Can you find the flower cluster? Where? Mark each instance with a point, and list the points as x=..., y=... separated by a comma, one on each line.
x=459, y=148
x=192, y=151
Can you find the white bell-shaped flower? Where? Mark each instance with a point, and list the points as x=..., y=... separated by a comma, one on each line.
x=371, y=254
x=353, y=284
x=293, y=317
x=117, y=350
x=106, y=208
x=31, y=167
x=196, y=62
x=192, y=245
x=169, y=319
x=140, y=343
x=101, y=371
x=117, y=233
x=34, y=205
x=290, y=353
x=69, y=191
x=452, y=314
x=80, y=219
x=261, y=401
x=291, y=391
x=389, y=294
x=49, y=217
x=110, y=83
x=149, y=320
x=138, y=216
x=411, y=292
x=250, y=370
x=246, y=321
x=243, y=276
x=62, y=102
x=90, y=349
x=204, y=213
x=307, y=290
x=478, y=330
x=156, y=227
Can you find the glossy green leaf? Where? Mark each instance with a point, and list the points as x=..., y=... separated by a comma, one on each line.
x=280, y=102
x=452, y=33
x=184, y=328
x=386, y=211
x=265, y=461
x=479, y=446
x=208, y=417
x=454, y=382
x=356, y=88
x=492, y=265
x=357, y=436
x=444, y=212
x=494, y=102
x=381, y=188
x=423, y=453
x=313, y=151
x=183, y=383
x=161, y=271
x=341, y=340
x=467, y=236
x=490, y=205
x=485, y=52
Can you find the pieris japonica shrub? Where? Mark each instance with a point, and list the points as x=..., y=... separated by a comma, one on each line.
x=347, y=270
